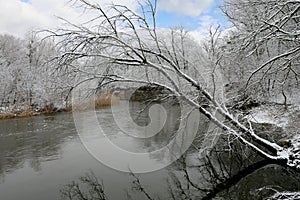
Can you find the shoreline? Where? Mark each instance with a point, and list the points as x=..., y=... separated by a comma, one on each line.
x=30, y=113
x=102, y=101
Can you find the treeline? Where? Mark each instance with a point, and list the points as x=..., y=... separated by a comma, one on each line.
x=258, y=57
x=29, y=76
x=261, y=56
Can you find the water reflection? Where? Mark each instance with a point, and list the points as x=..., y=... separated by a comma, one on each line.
x=139, y=113
x=118, y=149
x=39, y=155
x=34, y=140
x=263, y=183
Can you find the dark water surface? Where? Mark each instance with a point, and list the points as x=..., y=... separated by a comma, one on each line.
x=39, y=155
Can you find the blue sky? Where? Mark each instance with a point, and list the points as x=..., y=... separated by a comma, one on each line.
x=20, y=16
x=172, y=19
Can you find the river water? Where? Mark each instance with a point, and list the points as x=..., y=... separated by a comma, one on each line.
x=39, y=155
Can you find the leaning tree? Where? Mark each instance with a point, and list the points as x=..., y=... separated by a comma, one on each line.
x=125, y=46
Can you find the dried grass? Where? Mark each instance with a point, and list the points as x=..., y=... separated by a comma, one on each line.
x=20, y=114
x=102, y=100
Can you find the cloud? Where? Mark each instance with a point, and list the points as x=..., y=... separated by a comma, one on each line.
x=205, y=23
x=18, y=17
x=191, y=8
x=15, y=14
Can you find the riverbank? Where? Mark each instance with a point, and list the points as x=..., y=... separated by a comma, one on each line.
x=24, y=113
x=276, y=123
x=265, y=116
x=104, y=99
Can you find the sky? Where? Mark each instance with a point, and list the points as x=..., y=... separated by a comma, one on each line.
x=18, y=17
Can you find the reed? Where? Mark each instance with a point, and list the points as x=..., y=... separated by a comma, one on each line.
x=19, y=114
x=105, y=100
x=7, y=116
x=102, y=100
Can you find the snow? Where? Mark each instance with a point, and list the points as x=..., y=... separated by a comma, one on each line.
x=292, y=97
x=294, y=152
x=284, y=154
x=286, y=195
x=286, y=119
x=275, y=114
x=262, y=115
x=4, y=110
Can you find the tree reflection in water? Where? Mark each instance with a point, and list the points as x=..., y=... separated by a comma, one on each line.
x=33, y=140
x=235, y=173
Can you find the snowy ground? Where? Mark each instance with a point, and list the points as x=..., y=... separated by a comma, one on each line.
x=289, y=121
x=274, y=113
x=277, y=115
x=285, y=195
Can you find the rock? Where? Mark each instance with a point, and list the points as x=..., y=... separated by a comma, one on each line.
x=284, y=143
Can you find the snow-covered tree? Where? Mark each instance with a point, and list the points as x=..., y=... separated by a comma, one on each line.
x=29, y=79
x=265, y=44
x=12, y=55
x=128, y=40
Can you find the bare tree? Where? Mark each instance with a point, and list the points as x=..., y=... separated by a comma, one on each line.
x=12, y=56
x=89, y=188
x=129, y=41
x=29, y=76
x=266, y=44
x=208, y=178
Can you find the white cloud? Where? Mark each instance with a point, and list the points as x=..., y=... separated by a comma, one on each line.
x=191, y=8
x=15, y=14
x=205, y=23
x=17, y=17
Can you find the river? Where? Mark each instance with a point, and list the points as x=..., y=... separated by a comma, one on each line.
x=39, y=155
